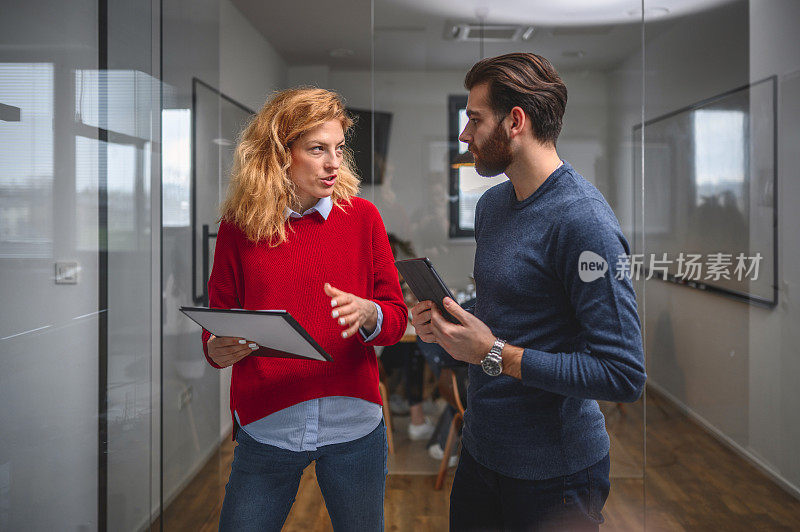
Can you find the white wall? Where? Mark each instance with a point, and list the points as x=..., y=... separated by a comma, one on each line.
x=250, y=68
x=730, y=364
x=314, y=75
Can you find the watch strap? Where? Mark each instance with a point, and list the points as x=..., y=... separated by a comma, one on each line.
x=497, y=348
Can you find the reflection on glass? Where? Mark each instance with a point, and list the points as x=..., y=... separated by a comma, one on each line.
x=26, y=161
x=176, y=166
x=127, y=97
x=122, y=207
x=86, y=184
x=122, y=171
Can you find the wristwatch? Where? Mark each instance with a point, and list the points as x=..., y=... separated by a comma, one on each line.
x=492, y=363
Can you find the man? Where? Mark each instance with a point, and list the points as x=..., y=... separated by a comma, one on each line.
x=552, y=330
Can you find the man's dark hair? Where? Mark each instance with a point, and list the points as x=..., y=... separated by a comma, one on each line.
x=526, y=80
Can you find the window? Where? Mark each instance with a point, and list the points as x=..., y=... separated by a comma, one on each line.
x=466, y=186
x=719, y=157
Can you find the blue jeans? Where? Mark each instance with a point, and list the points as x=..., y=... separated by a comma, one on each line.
x=264, y=481
x=484, y=500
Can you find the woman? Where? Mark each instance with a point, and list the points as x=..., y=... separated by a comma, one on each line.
x=293, y=236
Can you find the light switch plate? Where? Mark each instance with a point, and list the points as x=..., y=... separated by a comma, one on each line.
x=67, y=272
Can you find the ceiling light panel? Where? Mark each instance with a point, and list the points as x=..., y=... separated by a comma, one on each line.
x=465, y=31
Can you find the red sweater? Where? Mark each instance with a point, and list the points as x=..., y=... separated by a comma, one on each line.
x=349, y=250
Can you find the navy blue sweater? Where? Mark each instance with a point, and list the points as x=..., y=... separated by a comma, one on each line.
x=581, y=337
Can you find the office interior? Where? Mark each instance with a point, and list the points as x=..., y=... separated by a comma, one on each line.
x=118, y=121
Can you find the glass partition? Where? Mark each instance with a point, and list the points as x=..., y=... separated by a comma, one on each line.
x=190, y=388
x=79, y=126
x=718, y=177
x=427, y=193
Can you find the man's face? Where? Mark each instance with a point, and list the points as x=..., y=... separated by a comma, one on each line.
x=485, y=136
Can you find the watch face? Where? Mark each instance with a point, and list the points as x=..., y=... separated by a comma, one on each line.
x=491, y=366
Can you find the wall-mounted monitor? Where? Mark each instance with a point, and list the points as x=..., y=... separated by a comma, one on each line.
x=370, y=164
x=710, y=190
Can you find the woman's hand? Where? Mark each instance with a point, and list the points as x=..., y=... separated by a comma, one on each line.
x=352, y=312
x=227, y=350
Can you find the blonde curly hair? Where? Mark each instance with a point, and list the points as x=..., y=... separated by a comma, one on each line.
x=260, y=189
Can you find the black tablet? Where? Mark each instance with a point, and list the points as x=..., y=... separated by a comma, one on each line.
x=424, y=281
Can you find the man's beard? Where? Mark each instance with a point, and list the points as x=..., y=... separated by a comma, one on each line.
x=495, y=156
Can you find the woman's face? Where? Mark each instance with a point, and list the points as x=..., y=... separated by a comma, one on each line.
x=316, y=158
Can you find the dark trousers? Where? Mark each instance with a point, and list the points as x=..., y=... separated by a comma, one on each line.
x=407, y=358
x=484, y=500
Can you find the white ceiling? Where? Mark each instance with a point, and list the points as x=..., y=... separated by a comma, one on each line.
x=408, y=34
x=557, y=13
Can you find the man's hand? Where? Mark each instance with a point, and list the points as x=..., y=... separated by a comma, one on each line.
x=468, y=341
x=351, y=311
x=421, y=320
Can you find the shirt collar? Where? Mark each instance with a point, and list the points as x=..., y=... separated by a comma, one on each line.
x=324, y=207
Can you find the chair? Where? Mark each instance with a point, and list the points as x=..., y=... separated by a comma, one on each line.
x=450, y=391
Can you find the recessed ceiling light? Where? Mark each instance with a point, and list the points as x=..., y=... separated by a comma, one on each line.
x=340, y=53
x=527, y=34
x=468, y=31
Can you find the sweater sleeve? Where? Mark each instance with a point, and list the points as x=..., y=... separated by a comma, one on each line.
x=222, y=283
x=386, y=291
x=611, y=366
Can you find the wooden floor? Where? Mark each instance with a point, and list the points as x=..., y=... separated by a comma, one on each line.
x=691, y=482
